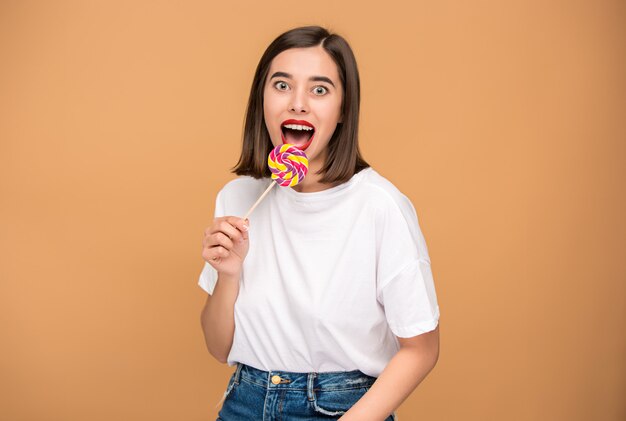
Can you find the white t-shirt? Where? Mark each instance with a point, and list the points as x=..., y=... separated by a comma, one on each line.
x=330, y=276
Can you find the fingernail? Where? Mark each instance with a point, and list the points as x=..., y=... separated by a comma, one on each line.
x=245, y=227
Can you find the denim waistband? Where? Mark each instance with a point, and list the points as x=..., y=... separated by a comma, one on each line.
x=331, y=380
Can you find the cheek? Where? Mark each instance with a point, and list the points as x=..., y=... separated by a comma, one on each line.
x=271, y=108
x=330, y=120
x=267, y=115
x=332, y=110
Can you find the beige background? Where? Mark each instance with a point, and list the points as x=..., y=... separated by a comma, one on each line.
x=503, y=122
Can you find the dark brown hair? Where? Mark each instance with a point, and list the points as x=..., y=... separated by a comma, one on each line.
x=344, y=157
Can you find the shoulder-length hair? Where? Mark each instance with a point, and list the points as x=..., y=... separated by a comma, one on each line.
x=344, y=157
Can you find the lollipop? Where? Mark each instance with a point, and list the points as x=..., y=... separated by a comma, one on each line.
x=288, y=165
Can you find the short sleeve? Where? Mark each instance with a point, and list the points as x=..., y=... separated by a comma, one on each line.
x=405, y=285
x=208, y=276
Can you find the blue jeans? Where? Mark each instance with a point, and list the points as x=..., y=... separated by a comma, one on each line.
x=256, y=395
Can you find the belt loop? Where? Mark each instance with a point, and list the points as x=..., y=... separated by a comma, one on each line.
x=238, y=372
x=310, y=393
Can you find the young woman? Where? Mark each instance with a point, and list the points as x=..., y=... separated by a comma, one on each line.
x=324, y=299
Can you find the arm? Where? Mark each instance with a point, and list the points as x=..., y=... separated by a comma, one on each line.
x=218, y=319
x=225, y=246
x=406, y=370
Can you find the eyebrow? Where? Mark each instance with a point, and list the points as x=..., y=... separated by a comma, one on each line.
x=312, y=78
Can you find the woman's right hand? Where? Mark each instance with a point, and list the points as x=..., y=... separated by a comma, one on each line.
x=225, y=244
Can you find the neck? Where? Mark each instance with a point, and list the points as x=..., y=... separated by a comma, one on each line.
x=311, y=182
x=311, y=186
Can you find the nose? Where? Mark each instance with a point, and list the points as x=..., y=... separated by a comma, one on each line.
x=298, y=102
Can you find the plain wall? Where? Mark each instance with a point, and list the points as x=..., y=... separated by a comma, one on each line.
x=503, y=122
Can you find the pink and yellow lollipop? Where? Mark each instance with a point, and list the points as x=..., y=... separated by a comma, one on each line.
x=288, y=165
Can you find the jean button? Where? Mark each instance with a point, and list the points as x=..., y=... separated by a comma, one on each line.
x=276, y=379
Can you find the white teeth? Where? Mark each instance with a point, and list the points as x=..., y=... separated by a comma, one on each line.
x=297, y=127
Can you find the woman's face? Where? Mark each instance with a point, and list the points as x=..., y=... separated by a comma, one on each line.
x=303, y=85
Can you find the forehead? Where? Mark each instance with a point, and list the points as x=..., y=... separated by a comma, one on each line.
x=305, y=62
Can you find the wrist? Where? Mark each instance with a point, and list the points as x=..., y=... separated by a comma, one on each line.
x=229, y=276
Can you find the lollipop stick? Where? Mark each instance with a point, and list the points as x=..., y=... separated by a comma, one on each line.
x=259, y=200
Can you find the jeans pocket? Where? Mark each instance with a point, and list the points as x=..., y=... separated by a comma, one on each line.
x=337, y=402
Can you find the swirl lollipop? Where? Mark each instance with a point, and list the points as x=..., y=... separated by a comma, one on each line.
x=288, y=165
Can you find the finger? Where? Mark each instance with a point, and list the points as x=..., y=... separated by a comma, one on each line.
x=215, y=226
x=241, y=224
x=230, y=228
x=215, y=254
x=206, y=238
x=221, y=239
x=223, y=226
x=220, y=251
x=246, y=228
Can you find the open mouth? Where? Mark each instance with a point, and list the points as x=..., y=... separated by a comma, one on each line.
x=298, y=133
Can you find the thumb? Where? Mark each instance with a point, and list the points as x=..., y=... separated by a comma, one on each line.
x=246, y=228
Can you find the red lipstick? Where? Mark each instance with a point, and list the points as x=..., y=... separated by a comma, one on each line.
x=302, y=123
